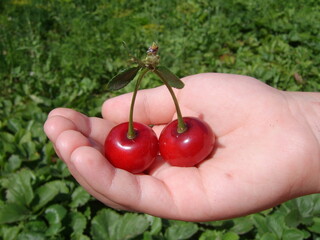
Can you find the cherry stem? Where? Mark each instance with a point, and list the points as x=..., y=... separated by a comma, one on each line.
x=131, y=133
x=182, y=127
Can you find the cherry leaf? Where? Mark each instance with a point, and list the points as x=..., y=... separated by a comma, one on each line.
x=168, y=76
x=123, y=78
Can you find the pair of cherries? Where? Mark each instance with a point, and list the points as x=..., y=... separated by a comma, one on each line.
x=134, y=146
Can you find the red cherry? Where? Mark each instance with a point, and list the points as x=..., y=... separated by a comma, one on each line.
x=188, y=148
x=134, y=155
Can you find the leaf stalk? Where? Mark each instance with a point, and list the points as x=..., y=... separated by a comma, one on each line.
x=131, y=133
x=182, y=127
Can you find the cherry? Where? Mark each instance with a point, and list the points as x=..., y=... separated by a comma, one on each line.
x=133, y=146
x=132, y=154
x=189, y=147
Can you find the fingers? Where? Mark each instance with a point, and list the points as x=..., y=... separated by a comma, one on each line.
x=152, y=106
x=134, y=192
x=202, y=96
x=71, y=132
x=164, y=194
x=55, y=125
x=64, y=128
x=100, y=175
x=69, y=142
x=63, y=119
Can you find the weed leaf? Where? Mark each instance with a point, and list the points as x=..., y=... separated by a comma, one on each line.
x=131, y=226
x=293, y=234
x=230, y=236
x=78, y=222
x=108, y=224
x=19, y=189
x=12, y=212
x=79, y=197
x=181, y=230
x=47, y=192
x=54, y=215
x=9, y=232
x=103, y=224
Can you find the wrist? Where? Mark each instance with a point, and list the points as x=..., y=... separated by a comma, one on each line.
x=305, y=107
x=310, y=109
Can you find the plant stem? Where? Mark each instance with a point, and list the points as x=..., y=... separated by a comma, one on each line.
x=131, y=133
x=182, y=127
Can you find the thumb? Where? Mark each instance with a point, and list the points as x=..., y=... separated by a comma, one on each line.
x=152, y=106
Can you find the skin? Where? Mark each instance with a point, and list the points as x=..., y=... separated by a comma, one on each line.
x=267, y=149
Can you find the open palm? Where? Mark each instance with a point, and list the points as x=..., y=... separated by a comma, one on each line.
x=263, y=155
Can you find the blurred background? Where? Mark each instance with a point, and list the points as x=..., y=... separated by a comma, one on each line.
x=62, y=53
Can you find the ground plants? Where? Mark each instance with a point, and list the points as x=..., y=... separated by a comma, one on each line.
x=62, y=53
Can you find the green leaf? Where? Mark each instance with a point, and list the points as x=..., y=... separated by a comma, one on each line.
x=216, y=223
x=78, y=222
x=7, y=141
x=156, y=224
x=79, y=197
x=49, y=191
x=211, y=234
x=10, y=233
x=54, y=215
x=103, y=225
x=167, y=75
x=276, y=224
x=13, y=212
x=293, y=234
x=19, y=189
x=131, y=225
x=260, y=223
x=26, y=145
x=48, y=152
x=269, y=236
x=7, y=137
x=242, y=225
x=293, y=218
x=315, y=227
x=316, y=206
x=77, y=236
x=31, y=236
x=107, y=224
x=230, y=236
x=35, y=226
x=122, y=79
x=14, y=162
x=14, y=125
x=181, y=230
x=147, y=236
x=305, y=205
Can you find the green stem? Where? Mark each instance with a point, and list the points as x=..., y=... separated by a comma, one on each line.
x=131, y=133
x=182, y=127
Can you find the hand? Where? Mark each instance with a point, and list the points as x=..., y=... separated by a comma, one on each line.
x=266, y=152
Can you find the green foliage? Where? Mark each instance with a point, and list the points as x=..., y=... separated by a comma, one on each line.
x=108, y=225
x=63, y=53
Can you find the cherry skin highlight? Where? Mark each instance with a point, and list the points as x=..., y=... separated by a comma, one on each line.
x=134, y=155
x=188, y=148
